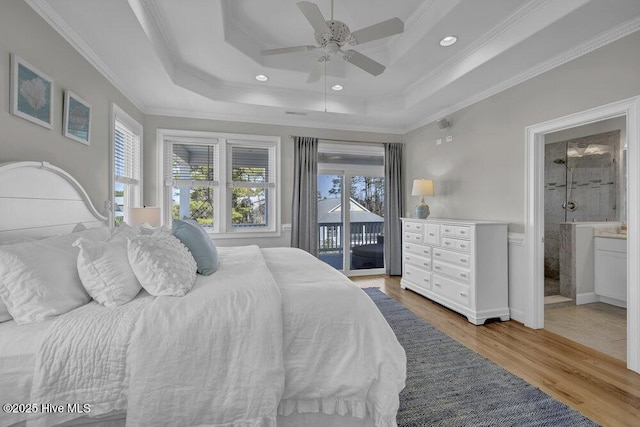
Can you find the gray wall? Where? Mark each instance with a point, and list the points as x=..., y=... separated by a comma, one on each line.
x=153, y=123
x=481, y=173
x=25, y=33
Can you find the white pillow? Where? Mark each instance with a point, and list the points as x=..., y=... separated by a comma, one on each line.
x=105, y=272
x=162, y=264
x=39, y=280
x=4, y=312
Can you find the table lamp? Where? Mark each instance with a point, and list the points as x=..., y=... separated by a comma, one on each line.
x=422, y=187
x=148, y=215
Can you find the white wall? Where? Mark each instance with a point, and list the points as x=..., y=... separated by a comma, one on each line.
x=481, y=173
x=25, y=33
x=151, y=184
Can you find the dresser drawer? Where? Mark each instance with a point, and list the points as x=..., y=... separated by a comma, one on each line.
x=422, y=262
x=412, y=237
x=411, y=248
x=456, y=258
x=451, y=290
x=457, y=244
x=463, y=231
x=460, y=231
x=432, y=234
x=417, y=276
x=413, y=227
x=459, y=273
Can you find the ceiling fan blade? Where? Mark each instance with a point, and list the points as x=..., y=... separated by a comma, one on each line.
x=288, y=50
x=364, y=62
x=316, y=72
x=380, y=30
x=314, y=16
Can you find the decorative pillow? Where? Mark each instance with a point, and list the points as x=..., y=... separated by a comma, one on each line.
x=4, y=312
x=196, y=239
x=162, y=264
x=124, y=232
x=39, y=280
x=105, y=272
x=150, y=229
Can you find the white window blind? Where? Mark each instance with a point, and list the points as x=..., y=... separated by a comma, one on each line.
x=193, y=164
x=252, y=167
x=126, y=152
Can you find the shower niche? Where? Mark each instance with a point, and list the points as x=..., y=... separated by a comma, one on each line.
x=584, y=183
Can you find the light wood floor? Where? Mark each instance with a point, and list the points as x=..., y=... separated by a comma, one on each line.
x=600, y=326
x=593, y=383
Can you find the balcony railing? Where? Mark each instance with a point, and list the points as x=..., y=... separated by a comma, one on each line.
x=362, y=233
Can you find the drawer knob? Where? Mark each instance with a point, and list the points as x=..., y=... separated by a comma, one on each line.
x=425, y=280
x=463, y=275
x=426, y=264
x=407, y=258
x=438, y=254
x=431, y=234
x=447, y=243
x=462, y=294
x=438, y=285
x=437, y=267
x=408, y=273
x=463, y=260
x=463, y=246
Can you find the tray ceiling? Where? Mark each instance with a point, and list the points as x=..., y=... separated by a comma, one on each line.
x=199, y=58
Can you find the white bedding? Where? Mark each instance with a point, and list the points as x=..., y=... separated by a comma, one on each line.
x=18, y=347
x=338, y=353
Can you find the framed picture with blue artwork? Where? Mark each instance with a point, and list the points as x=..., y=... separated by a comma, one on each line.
x=31, y=93
x=77, y=118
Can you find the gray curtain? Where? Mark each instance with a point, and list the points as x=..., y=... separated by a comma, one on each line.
x=393, y=205
x=304, y=225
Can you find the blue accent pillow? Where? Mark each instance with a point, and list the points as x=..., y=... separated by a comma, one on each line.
x=196, y=239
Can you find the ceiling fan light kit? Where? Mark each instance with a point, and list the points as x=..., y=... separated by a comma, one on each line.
x=332, y=35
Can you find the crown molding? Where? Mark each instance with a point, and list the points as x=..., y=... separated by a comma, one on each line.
x=245, y=118
x=594, y=43
x=51, y=17
x=496, y=32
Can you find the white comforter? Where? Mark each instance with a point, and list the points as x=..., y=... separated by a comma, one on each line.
x=340, y=354
x=237, y=350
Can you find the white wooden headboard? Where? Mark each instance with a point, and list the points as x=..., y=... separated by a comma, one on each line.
x=38, y=200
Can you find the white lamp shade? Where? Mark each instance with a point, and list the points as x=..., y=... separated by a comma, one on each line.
x=422, y=187
x=137, y=216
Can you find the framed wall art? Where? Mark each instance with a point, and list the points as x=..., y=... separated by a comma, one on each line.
x=31, y=93
x=77, y=118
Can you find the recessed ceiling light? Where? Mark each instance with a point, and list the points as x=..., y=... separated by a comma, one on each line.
x=337, y=87
x=448, y=41
x=262, y=78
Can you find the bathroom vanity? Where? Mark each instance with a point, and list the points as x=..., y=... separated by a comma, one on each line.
x=610, y=268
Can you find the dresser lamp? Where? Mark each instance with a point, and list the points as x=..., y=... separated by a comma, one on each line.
x=422, y=187
x=146, y=215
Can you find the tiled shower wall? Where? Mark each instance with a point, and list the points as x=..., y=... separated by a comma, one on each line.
x=596, y=188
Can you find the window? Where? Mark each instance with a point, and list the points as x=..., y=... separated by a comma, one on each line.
x=127, y=164
x=228, y=183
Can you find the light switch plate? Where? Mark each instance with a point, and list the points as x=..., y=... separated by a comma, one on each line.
x=449, y=138
x=438, y=141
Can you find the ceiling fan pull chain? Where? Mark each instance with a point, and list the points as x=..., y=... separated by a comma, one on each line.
x=325, y=79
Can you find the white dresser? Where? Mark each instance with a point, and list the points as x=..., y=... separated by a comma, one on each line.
x=459, y=264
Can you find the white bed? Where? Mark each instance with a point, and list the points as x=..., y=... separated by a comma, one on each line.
x=274, y=336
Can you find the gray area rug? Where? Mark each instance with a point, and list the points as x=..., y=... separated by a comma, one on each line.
x=451, y=385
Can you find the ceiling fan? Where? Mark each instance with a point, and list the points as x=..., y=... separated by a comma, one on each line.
x=332, y=36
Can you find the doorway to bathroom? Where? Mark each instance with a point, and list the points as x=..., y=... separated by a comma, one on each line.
x=535, y=206
x=585, y=279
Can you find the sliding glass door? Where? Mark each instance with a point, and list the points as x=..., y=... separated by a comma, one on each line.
x=351, y=240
